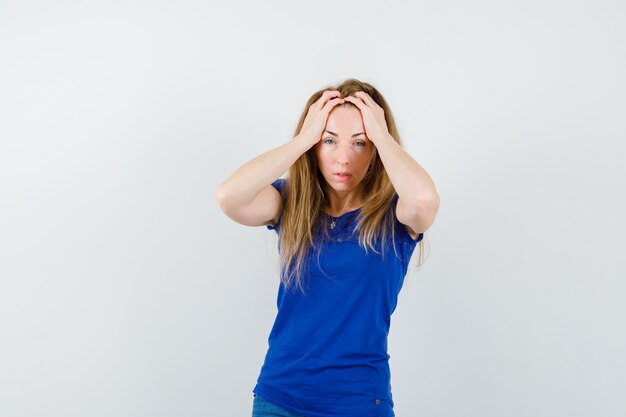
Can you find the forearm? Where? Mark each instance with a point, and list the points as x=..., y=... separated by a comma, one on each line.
x=411, y=181
x=243, y=185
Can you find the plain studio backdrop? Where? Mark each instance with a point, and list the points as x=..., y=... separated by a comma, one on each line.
x=125, y=291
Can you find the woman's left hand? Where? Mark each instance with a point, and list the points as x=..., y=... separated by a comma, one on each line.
x=372, y=114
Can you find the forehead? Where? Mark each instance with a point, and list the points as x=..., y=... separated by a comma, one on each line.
x=345, y=119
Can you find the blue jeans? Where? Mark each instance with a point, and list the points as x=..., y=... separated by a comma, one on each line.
x=263, y=408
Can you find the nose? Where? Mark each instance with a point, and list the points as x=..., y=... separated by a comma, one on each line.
x=342, y=155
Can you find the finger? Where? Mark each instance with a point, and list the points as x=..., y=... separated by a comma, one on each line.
x=326, y=95
x=356, y=101
x=332, y=103
x=366, y=98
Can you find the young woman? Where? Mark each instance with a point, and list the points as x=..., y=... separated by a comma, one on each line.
x=349, y=215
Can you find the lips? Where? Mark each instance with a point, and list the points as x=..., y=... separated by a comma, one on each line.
x=343, y=175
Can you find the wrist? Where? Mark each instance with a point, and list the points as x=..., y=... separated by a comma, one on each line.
x=306, y=139
x=382, y=137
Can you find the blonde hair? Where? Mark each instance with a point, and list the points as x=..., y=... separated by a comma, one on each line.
x=304, y=196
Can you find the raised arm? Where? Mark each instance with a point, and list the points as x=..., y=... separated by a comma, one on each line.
x=247, y=195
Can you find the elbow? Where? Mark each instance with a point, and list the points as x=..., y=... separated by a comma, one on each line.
x=431, y=205
x=226, y=199
x=427, y=207
x=219, y=194
x=430, y=199
x=424, y=201
x=433, y=200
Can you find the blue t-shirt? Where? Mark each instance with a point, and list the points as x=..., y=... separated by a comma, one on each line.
x=327, y=351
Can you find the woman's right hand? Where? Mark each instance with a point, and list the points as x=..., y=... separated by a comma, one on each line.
x=317, y=115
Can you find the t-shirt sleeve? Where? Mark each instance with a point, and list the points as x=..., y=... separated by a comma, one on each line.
x=402, y=229
x=279, y=184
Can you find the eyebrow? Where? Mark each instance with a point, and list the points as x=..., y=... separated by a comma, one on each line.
x=334, y=134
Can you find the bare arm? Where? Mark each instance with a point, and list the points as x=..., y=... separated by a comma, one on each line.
x=247, y=196
x=243, y=185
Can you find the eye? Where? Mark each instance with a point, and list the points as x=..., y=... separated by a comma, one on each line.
x=326, y=140
x=361, y=143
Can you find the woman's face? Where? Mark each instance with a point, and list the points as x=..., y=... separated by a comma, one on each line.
x=344, y=148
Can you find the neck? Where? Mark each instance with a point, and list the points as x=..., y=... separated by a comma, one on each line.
x=339, y=204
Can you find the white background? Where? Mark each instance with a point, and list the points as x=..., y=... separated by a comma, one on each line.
x=125, y=291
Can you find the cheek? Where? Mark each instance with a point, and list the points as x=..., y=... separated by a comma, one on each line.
x=322, y=155
x=321, y=160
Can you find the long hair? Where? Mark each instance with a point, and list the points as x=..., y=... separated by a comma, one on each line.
x=305, y=195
